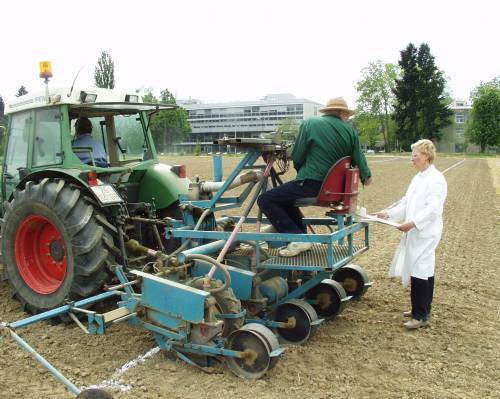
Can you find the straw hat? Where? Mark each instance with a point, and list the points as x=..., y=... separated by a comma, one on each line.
x=337, y=103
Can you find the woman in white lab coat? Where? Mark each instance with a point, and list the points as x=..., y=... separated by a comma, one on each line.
x=421, y=211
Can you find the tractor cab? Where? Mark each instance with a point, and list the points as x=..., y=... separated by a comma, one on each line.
x=120, y=128
x=42, y=140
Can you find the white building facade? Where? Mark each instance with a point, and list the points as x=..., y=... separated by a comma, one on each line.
x=241, y=119
x=453, y=139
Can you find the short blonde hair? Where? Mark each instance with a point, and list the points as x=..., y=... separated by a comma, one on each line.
x=425, y=147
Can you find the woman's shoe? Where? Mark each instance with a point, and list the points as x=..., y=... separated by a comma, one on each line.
x=413, y=324
x=407, y=314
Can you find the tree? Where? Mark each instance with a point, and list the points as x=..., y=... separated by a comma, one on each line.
x=368, y=127
x=104, y=74
x=483, y=127
x=167, y=127
x=376, y=97
x=2, y=108
x=22, y=91
x=3, y=124
x=434, y=110
x=288, y=128
x=421, y=109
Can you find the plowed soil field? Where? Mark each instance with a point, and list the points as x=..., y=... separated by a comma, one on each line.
x=364, y=353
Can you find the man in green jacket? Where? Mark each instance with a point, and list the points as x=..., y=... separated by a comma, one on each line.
x=321, y=142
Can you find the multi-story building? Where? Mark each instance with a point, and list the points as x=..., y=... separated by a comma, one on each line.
x=241, y=119
x=453, y=135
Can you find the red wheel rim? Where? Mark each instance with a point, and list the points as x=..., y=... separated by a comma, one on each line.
x=41, y=255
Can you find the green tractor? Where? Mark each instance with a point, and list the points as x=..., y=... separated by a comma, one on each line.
x=65, y=223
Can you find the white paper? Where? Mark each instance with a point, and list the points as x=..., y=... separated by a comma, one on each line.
x=374, y=219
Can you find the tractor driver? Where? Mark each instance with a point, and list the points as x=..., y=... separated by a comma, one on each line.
x=83, y=138
x=321, y=142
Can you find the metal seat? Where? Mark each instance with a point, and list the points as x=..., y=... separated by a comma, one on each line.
x=339, y=190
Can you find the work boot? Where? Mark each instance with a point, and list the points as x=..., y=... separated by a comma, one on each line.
x=413, y=324
x=295, y=248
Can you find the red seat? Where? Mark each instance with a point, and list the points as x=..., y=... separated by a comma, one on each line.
x=339, y=190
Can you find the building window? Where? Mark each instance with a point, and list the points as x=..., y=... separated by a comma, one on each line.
x=460, y=118
x=459, y=131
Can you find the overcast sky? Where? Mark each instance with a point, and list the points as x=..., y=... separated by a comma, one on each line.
x=218, y=50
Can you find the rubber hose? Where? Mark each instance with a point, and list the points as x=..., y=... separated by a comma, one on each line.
x=218, y=265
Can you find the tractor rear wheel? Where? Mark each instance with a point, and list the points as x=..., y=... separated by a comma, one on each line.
x=54, y=244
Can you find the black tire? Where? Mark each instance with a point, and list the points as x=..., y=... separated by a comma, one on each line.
x=328, y=297
x=353, y=279
x=82, y=243
x=227, y=303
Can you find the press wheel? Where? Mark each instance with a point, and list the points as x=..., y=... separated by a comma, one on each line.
x=257, y=360
x=353, y=279
x=269, y=337
x=327, y=298
x=301, y=315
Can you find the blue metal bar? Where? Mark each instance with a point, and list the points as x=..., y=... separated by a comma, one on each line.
x=218, y=170
x=206, y=249
x=248, y=236
x=249, y=158
x=55, y=372
x=307, y=221
x=349, y=237
x=164, y=332
x=62, y=309
x=210, y=350
x=340, y=224
x=239, y=315
x=123, y=279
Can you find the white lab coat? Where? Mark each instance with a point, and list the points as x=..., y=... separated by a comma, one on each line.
x=422, y=205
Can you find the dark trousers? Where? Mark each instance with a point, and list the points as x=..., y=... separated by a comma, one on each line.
x=278, y=205
x=422, y=292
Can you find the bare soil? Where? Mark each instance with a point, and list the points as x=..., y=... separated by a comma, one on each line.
x=364, y=353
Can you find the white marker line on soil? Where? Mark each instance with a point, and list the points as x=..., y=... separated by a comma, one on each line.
x=115, y=383
x=452, y=166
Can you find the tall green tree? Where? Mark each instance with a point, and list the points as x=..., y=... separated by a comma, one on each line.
x=434, y=110
x=22, y=91
x=483, y=127
x=376, y=98
x=167, y=127
x=369, y=128
x=2, y=108
x=104, y=74
x=421, y=109
x=3, y=124
x=288, y=128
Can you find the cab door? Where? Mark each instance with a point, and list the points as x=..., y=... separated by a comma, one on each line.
x=16, y=155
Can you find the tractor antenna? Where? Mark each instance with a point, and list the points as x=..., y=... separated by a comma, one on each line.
x=74, y=80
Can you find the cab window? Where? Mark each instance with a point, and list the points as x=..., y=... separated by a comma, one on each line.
x=132, y=140
x=47, y=144
x=17, y=147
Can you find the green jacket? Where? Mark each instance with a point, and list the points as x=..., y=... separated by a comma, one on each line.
x=321, y=142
